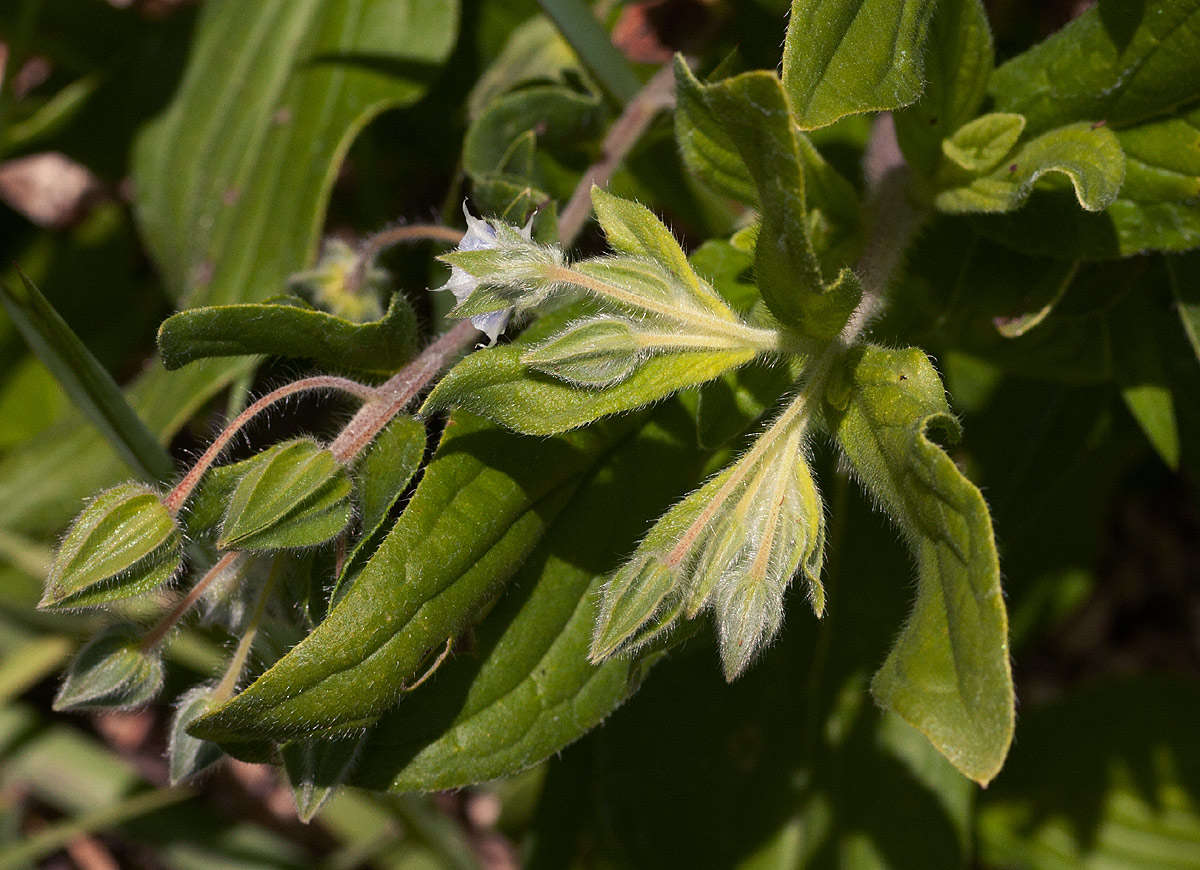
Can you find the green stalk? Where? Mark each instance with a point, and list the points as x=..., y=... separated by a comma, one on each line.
x=578, y=25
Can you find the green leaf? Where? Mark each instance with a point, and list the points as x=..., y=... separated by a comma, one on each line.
x=754, y=112
x=1105, y=777
x=111, y=672
x=704, y=145
x=948, y=673
x=294, y=494
x=482, y=505
x=979, y=145
x=232, y=179
x=188, y=756
x=124, y=543
x=85, y=380
x=290, y=330
x=1185, y=286
x=528, y=689
x=1118, y=62
x=384, y=474
x=958, y=63
x=1139, y=326
x=844, y=57
x=316, y=769
x=578, y=24
x=1089, y=156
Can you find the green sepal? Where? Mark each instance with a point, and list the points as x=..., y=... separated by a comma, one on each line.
x=292, y=495
x=124, y=543
x=1090, y=156
x=111, y=672
x=948, y=672
x=597, y=352
x=289, y=328
x=317, y=768
x=189, y=756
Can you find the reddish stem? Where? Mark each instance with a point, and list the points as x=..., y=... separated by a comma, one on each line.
x=179, y=495
x=154, y=638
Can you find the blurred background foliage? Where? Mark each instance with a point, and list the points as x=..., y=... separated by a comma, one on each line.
x=791, y=766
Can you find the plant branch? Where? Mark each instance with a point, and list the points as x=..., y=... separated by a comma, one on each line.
x=179, y=495
x=231, y=561
x=658, y=94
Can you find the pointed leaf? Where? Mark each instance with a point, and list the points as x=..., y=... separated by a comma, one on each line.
x=844, y=57
x=1088, y=155
x=124, y=543
x=290, y=330
x=111, y=672
x=85, y=380
x=385, y=472
x=188, y=756
x=481, y=507
x=317, y=768
x=948, y=673
x=958, y=63
x=293, y=495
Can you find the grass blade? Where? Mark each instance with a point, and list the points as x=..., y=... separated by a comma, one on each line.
x=578, y=25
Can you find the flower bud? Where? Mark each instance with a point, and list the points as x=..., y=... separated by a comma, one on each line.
x=124, y=543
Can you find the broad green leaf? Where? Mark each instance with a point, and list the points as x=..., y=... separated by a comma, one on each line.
x=232, y=179
x=1118, y=62
x=948, y=673
x=481, y=507
x=844, y=57
x=535, y=50
x=111, y=672
x=1185, y=285
x=958, y=62
x=316, y=768
x=85, y=380
x=294, y=494
x=290, y=330
x=1105, y=777
x=1089, y=156
x=124, y=543
x=754, y=112
x=979, y=145
x=188, y=756
x=1139, y=326
x=528, y=689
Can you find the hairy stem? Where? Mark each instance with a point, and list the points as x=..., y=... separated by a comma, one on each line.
x=398, y=391
x=231, y=561
x=179, y=495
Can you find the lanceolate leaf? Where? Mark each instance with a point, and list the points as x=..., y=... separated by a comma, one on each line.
x=1118, y=62
x=1088, y=155
x=843, y=57
x=221, y=217
x=290, y=330
x=482, y=506
x=111, y=672
x=948, y=673
x=85, y=380
x=958, y=62
x=528, y=689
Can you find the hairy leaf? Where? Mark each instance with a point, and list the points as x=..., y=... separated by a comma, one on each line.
x=316, y=768
x=483, y=504
x=948, y=673
x=979, y=145
x=843, y=57
x=111, y=672
x=188, y=756
x=290, y=330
